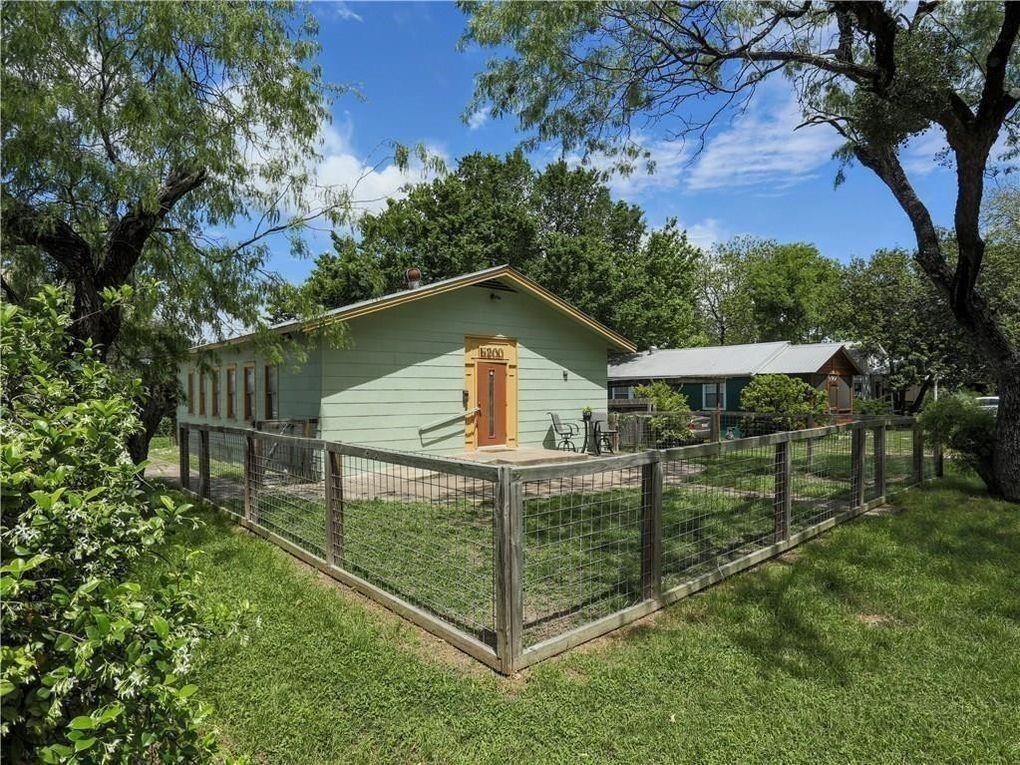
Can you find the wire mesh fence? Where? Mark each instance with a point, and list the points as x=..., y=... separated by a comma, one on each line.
x=522, y=562
x=715, y=508
x=582, y=549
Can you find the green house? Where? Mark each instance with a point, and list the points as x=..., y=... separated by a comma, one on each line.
x=479, y=360
x=713, y=377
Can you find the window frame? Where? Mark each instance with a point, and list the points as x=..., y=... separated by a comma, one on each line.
x=231, y=392
x=711, y=387
x=214, y=393
x=271, y=398
x=248, y=405
x=201, y=394
x=191, y=391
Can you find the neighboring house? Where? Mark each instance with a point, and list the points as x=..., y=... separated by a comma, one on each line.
x=713, y=377
x=476, y=360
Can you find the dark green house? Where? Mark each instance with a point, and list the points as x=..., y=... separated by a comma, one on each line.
x=713, y=377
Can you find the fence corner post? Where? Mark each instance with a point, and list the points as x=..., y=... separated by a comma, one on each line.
x=918, y=454
x=651, y=527
x=508, y=557
x=879, y=457
x=184, y=442
x=249, y=479
x=940, y=467
x=203, y=463
x=857, y=447
x=782, y=502
x=334, y=494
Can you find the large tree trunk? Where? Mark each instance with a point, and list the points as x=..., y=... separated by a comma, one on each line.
x=1006, y=456
x=159, y=402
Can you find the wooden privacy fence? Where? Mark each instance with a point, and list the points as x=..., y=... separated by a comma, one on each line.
x=514, y=564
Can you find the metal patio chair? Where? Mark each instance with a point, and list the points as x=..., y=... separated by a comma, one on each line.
x=604, y=435
x=565, y=433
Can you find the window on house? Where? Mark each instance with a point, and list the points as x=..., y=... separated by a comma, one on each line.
x=249, y=393
x=215, y=393
x=714, y=395
x=191, y=392
x=231, y=391
x=201, y=394
x=621, y=391
x=272, y=393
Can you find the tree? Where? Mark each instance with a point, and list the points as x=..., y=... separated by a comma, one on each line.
x=756, y=290
x=560, y=226
x=591, y=75
x=130, y=130
x=896, y=316
x=783, y=394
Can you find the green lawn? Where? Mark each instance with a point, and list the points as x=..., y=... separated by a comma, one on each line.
x=893, y=638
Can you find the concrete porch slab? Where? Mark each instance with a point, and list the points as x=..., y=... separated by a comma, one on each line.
x=501, y=455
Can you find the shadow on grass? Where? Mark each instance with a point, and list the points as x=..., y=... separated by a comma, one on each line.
x=835, y=611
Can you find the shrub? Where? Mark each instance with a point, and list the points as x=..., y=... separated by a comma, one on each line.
x=673, y=427
x=782, y=394
x=958, y=422
x=94, y=665
x=872, y=405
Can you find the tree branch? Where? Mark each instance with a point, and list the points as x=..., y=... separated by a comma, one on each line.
x=27, y=225
x=128, y=236
x=994, y=98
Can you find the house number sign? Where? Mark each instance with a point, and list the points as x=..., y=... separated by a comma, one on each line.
x=490, y=352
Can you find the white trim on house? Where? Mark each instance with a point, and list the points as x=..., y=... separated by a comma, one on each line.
x=712, y=387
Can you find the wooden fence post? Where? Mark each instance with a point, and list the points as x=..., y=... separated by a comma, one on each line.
x=651, y=527
x=782, y=502
x=809, y=445
x=508, y=555
x=334, y=487
x=204, y=489
x=918, y=454
x=879, y=457
x=715, y=429
x=249, y=478
x=940, y=467
x=185, y=464
x=857, y=446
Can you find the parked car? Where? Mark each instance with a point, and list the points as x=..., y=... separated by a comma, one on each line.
x=989, y=402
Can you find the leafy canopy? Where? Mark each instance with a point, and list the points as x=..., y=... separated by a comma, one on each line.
x=559, y=226
x=94, y=666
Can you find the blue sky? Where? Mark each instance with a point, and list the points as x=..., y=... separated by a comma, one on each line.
x=755, y=176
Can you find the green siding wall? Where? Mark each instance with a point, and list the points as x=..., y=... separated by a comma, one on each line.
x=405, y=369
x=300, y=385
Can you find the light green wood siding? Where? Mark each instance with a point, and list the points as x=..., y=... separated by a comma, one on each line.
x=299, y=387
x=405, y=369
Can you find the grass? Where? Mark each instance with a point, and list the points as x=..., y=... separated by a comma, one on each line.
x=893, y=638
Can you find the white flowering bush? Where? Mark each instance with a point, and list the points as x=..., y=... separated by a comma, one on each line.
x=94, y=666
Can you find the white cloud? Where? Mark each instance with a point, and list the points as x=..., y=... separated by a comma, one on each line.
x=705, y=233
x=762, y=149
x=343, y=11
x=370, y=179
x=478, y=118
x=925, y=153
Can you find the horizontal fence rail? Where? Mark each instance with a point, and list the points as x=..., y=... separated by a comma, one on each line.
x=514, y=564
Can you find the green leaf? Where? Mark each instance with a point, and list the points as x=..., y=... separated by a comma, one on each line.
x=84, y=743
x=82, y=722
x=161, y=626
x=187, y=691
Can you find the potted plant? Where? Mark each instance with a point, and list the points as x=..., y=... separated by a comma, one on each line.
x=586, y=413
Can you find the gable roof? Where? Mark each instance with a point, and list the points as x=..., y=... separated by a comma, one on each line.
x=503, y=273
x=780, y=357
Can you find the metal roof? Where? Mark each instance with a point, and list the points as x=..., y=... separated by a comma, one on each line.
x=504, y=273
x=779, y=357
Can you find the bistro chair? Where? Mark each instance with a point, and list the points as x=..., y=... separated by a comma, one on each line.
x=605, y=436
x=565, y=433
